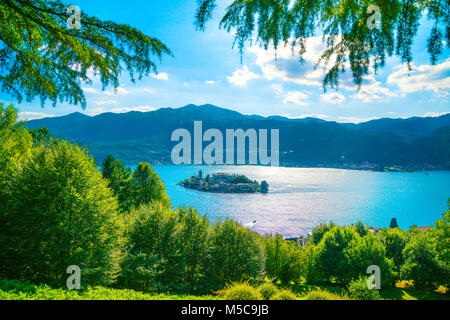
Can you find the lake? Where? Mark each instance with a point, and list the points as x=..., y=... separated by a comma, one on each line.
x=301, y=198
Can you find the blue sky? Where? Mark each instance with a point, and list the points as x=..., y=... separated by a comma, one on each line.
x=205, y=69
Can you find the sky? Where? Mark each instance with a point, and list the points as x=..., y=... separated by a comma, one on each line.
x=206, y=69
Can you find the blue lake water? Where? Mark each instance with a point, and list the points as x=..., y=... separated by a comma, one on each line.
x=301, y=198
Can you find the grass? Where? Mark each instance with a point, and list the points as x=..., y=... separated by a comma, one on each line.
x=16, y=290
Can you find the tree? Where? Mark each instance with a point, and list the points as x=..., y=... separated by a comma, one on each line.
x=366, y=251
x=332, y=253
x=318, y=232
x=148, y=187
x=192, y=234
x=361, y=229
x=237, y=253
x=41, y=57
x=393, y=223
x=394, y=240
x=264, y=187
x=60, y=212
x=154, y=260
x=421, y=264
x=282, y=259
x=350, y=42
x=120, y=181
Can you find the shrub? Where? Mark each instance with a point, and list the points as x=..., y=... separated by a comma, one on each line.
x=284, y=295
x=358, y=290
x=242, y=291
x=267, y=290
x=322, y=295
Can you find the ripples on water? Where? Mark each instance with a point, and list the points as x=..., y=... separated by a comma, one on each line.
x=301, y=198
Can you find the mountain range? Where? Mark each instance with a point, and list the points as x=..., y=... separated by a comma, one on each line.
x=416, y=142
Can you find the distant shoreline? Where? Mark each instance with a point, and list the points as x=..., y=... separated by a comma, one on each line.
x=392, y=168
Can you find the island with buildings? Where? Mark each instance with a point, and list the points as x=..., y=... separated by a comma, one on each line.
x=224, y=183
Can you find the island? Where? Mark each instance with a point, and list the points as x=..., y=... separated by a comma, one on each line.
x=224, y=183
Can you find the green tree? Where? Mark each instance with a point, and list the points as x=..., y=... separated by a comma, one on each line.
x=332, y=253
x=363, y=252
x=319, y=231
x=440, y=236
x=192, y=234
x=361, y=229
x=60, y=213
x=120, y=181
x=237, y=253
x=344, y=24
x=394, y=240
x=393, y=223
x=41, y=57
x=154, y=260
x=282, y=259
x=421, y=264
x=148, y=187
x=264, y=187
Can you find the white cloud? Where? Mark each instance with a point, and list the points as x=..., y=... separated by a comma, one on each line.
x=97, y=111
x=161, y=76
x=242, y=76
x=118, y=91
x=372, y=90
x=210, y=82
x=354, y=119
x=129, y=109
x=424, y=77
x=284, y=64
x=295, y=97
x=149, y=90
x=333, y=97
x=89, y=90
x=105, y=102
x=29, y=115
x=436, y=114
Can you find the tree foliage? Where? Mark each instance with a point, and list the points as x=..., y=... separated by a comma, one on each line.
x=60, y=212
x=237, y=253
x=282, y=259
x=350, y=43
x=41, y=57
x=148, y=187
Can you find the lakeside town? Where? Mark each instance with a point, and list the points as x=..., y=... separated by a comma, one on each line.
x=224, y=183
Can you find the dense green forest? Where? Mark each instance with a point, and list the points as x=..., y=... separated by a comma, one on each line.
x=58, y=209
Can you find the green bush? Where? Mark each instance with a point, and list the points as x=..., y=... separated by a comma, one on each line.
x=242, y=291
x=284, y=295
x=358, y=290
x=322, y=295
x=267, y=290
